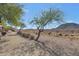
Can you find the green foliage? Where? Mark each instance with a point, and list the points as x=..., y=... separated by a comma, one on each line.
x=7, y=28
x=47, y=17
x=22, y=25
x=10, y=13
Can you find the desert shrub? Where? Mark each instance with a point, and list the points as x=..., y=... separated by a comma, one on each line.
x=26, y=35
x=13, y=30
x=66, y=35
x=31, y=37
x=3, y=33
x=7, y=28
x=72, y=35
x=23, y=34
x=60, y=34
x=49, y=33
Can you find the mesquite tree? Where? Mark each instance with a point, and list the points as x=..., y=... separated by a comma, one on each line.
x=10, y=14
x=47, y=17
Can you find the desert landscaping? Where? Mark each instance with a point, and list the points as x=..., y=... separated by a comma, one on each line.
x=39, y=29
x=60, y=43
x=50, y=43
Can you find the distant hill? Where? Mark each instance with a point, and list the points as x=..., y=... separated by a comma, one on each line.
x=69, y=26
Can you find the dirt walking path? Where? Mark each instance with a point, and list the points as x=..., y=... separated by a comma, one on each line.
x=13, y=44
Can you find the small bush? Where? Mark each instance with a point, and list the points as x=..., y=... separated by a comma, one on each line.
x=60, y=34
x=26, y=35
x=23, y=35
x=66, y=35
x=3, y=33
x=49, y=33
x=72, y=35
x=31, y=37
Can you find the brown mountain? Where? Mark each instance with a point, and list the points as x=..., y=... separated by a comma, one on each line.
x=69, y=26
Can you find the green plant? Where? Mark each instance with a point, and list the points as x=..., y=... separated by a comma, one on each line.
x=10, y=14
x=46, y=18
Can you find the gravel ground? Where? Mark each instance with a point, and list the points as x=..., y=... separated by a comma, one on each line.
x=15, y=45
x=48, y=45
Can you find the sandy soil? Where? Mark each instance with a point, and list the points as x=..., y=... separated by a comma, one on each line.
x=53, y=44
x=15, y=45
x=65, y=44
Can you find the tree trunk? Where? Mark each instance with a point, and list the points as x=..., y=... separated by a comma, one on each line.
x=0, y=35
x=38, y=35
x=0, y=29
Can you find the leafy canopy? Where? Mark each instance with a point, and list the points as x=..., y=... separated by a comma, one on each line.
x=10, y=14
x=47, y=17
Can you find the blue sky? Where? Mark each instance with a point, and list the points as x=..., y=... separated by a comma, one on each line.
x=71, y=12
